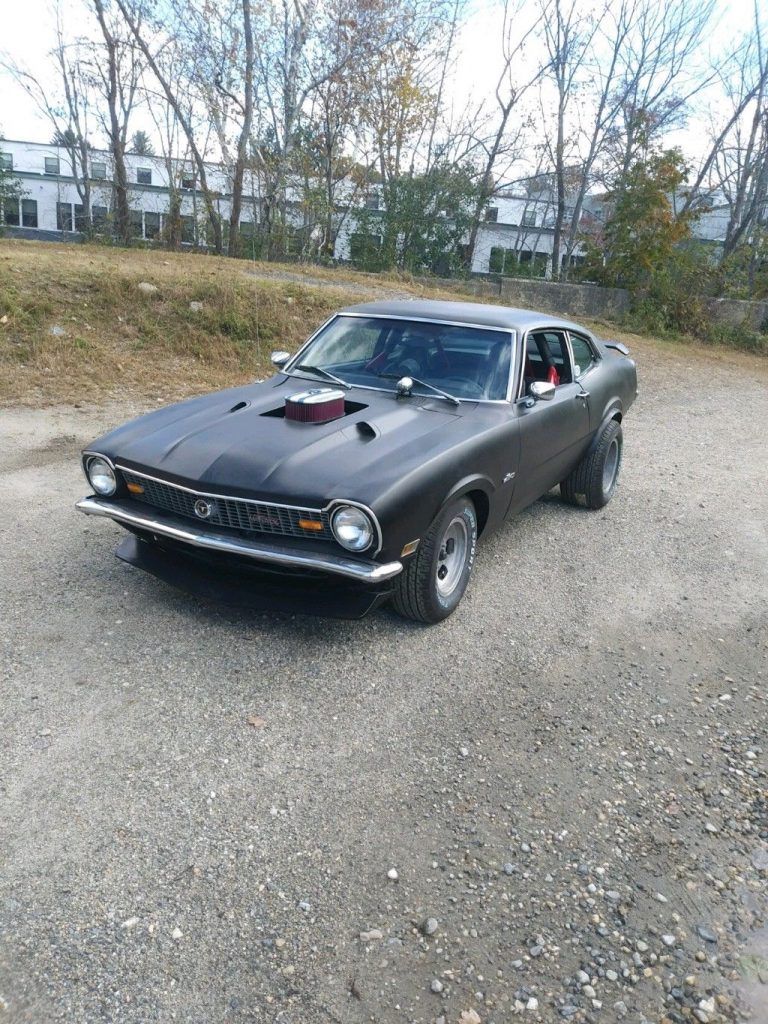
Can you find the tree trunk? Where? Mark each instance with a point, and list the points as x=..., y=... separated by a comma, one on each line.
x=245, y=135
x=560, y=186
x=119, y=176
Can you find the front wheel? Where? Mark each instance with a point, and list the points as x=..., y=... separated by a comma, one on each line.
x=597, y=475
x=433, y=582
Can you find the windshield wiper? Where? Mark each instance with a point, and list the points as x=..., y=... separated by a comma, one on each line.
x=323, y=373
x=423, y=383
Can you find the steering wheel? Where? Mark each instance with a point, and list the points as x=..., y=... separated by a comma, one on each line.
x=404, y=368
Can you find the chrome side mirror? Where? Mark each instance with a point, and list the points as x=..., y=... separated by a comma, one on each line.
x=542, y=391
x=280, y=358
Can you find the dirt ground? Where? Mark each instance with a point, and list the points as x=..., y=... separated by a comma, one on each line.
x=552, y=806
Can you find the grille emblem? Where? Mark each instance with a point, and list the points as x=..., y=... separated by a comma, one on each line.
x=264, y=520
x=204, y=509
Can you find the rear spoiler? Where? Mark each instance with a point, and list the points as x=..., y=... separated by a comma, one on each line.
x=618, y=345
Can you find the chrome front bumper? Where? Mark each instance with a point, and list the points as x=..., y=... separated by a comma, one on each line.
x=163, y=525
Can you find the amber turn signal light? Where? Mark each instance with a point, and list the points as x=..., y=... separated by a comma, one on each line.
x=135, y=488
x=311, y=524
x=409, y=548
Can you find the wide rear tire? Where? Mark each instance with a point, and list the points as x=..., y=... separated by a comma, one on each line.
x=433, y=582
x=596, y=476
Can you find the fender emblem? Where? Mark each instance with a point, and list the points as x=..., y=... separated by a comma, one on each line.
x=508, y=477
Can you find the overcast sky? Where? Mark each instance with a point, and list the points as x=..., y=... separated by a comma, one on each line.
x=476, y=67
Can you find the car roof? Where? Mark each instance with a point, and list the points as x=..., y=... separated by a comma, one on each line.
x=479, y=314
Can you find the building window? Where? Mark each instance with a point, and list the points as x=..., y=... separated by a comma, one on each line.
x=6, y=161
x=143, y=176
x=98, y=170
x=188, y=230
x=492, y=214
x=80, y=222
x=364, y=248
x=151, y=225
x=372, y=203
x=187, y=181
x=512, y=263
x=137, y=224
x=51, y=165
x=529, y=219
x=99, y=215
x=11, y=212
x=64, y=216
x=29, y=213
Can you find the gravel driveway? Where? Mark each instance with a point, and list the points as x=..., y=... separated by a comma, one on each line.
x=553, y=805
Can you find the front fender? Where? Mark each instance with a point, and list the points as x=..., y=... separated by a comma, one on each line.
x=473, y=483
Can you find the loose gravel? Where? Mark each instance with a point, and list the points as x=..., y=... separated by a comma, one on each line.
x=552, y=806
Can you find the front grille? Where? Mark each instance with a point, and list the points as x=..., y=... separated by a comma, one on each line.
x=252, y=517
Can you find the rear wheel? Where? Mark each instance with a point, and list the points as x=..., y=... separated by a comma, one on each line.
x=597, y=475
x=433, y=582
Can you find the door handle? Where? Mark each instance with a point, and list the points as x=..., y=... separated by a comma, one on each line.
x=583, y=395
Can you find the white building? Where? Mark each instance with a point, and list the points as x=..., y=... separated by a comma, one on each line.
x=519, y=230
x=516, y=235
x=51, y=205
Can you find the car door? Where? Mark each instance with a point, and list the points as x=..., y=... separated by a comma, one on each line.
x=588, y=372
x=555, y=433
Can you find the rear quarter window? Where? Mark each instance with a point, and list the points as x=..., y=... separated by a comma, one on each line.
x=584, y=355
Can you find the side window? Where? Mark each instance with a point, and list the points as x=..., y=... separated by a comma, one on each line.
x=583, y=354
x=547, y=358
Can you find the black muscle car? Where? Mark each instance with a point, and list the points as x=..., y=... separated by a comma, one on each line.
x=369, y=465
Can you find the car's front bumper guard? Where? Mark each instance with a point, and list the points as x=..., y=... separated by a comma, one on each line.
x=269, y=554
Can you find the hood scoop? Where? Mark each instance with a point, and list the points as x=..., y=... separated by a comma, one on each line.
x=317, y=405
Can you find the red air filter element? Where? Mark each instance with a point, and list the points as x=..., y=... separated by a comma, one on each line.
x=319, y=405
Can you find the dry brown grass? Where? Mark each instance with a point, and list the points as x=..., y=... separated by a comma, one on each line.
x=120, y=343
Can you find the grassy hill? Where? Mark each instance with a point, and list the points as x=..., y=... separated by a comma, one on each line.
x=75, y=325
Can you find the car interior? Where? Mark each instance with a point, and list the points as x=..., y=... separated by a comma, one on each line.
x=547, y=359
x=469, y=364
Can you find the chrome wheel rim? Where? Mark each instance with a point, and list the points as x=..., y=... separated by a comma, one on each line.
x=611, y=466
x=452, y=556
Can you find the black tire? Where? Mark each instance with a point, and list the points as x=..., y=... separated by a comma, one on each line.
x=596, y=476
x=419, y=594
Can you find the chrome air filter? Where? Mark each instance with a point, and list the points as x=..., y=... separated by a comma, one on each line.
x=318, y=405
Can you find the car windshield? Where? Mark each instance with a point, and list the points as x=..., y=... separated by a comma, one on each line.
x=470, y=363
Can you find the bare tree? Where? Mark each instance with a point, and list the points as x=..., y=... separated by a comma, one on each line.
x=511, y=88
x=173, y=91
x=118, y=78
x=175, y=153
x=737, y=162
x=300, y=49
x=606, y=96
x=245, y=130
x=68, y=109
x=660, y=73
x=568, y=35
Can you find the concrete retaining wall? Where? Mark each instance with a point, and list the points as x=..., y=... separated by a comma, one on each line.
x=567, y=300
x=738, y=312
x=591, y=302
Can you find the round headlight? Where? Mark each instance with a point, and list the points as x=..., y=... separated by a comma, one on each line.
x=352, y=528
x=102, y=477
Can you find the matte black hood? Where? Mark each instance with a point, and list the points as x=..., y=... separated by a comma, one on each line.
x=224, y=442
